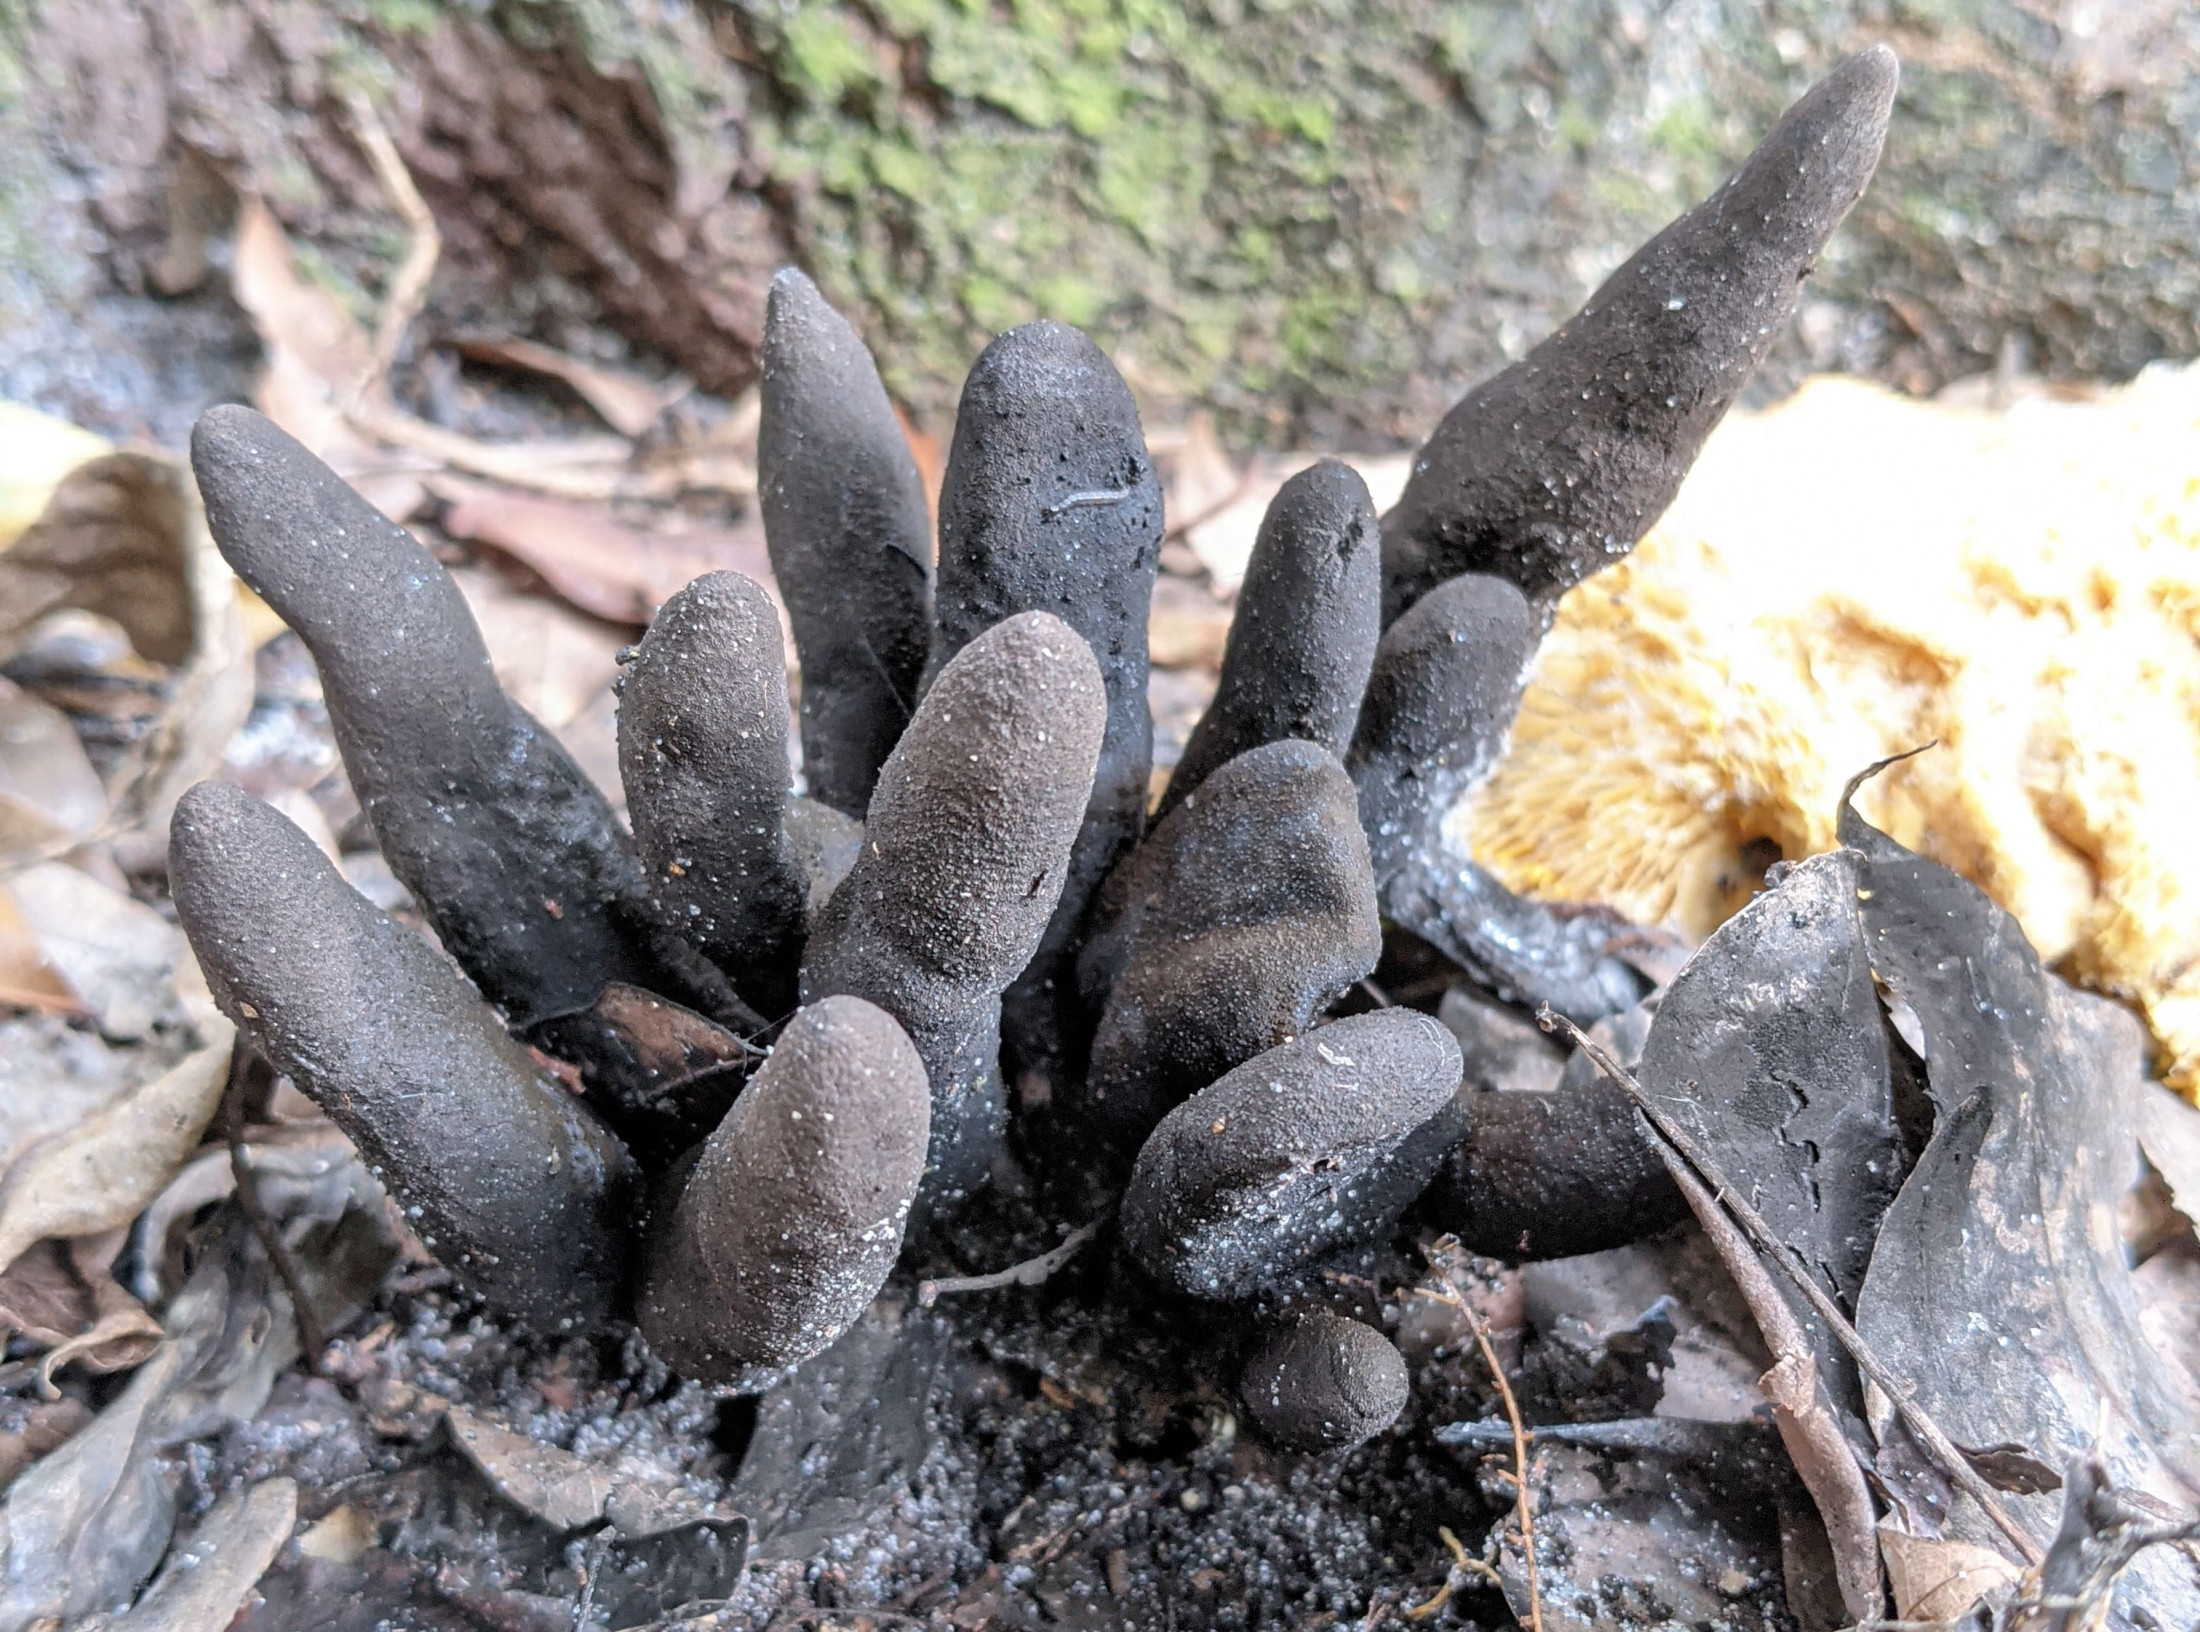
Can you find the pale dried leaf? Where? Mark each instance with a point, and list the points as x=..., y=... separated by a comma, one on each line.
x=207, y=1578
x=27, y=980
x=117, y=954
x=1935, y=1579
x=101, y=1172
x=124, y=538
x=50, y=796
x=618, y=573
x=2169, y=1133
x=81, y=1529
x=629, y=403
x=61, y=1296
x=564, y=1491
x=36, y=451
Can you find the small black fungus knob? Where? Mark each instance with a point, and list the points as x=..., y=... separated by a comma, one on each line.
x=1324, y=1382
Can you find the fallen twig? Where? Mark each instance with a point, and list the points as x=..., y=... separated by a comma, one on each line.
x=1943, y=1450
x=1526, y=1500
x=310, y=1335
x=1031, y=1272
x=409, y=288
x=1463, y=1564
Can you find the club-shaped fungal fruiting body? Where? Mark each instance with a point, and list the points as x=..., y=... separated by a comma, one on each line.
x=972, y=895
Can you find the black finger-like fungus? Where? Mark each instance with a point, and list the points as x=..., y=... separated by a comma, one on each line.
x=1165, y=998
x=1302, y=1150
x=1441, y=695
x=703, y=754
x=1051, y=504
x=508, y=1179
x=969, y=839
x=1445, y=684
x=1558, y=465
x=1552, y=1175
x=511, y=852
x=1302, y=638
x=1324, y=1382
x=1245, y=913
x=793, y=1212
x=849, y=532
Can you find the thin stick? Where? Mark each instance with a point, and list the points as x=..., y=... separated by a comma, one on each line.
x=1031, y=1272
x=1525, y=1500
x=310, y=1335
x=1952, y=1461
x=408, y=289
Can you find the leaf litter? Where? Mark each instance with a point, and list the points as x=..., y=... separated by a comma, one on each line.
x=1654, y=1499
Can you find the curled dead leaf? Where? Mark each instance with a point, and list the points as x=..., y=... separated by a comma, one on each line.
x=1937, y=1579
x=207, y=1576
x=615, y=572
x=628, y=403
x=123, y=538
x=101, y=1172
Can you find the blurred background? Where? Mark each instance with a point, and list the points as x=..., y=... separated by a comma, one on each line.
x=1315, y=220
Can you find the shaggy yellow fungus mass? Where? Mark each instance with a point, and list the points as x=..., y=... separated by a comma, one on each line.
x=1850, y=575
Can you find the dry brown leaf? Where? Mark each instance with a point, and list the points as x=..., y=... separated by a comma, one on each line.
x=618, y=573
x=316, y=356
x=629, y=403
x=207, y=1577
x=62, y=1297
x=32, y=1428
x=49, y=793
x=102, y=1171
x=564, y=1491
x=123, y=538
x=118, y=955
x=1936, y=1579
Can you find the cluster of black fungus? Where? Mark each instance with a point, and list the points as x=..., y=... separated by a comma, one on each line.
x=973, y=896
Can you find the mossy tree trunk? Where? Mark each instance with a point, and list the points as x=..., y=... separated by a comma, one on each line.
x=1318, y=218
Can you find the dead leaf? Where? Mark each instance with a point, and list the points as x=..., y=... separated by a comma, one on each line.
x=570, y=1492
x=1935, y=1579
x=50, y=797
x=2169, y=1134
x=116, y=954
x=564, y=1491
x=27, y=980
x=60, y=1296
x=1999, y=1287
x=81, y=1529
x=29, y=1429
x=208, y=1575
x=1768, y=1050
x=629, y=403
x=619, y=573
x=36, y=451
x=124, y=538
x=101, y=1172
